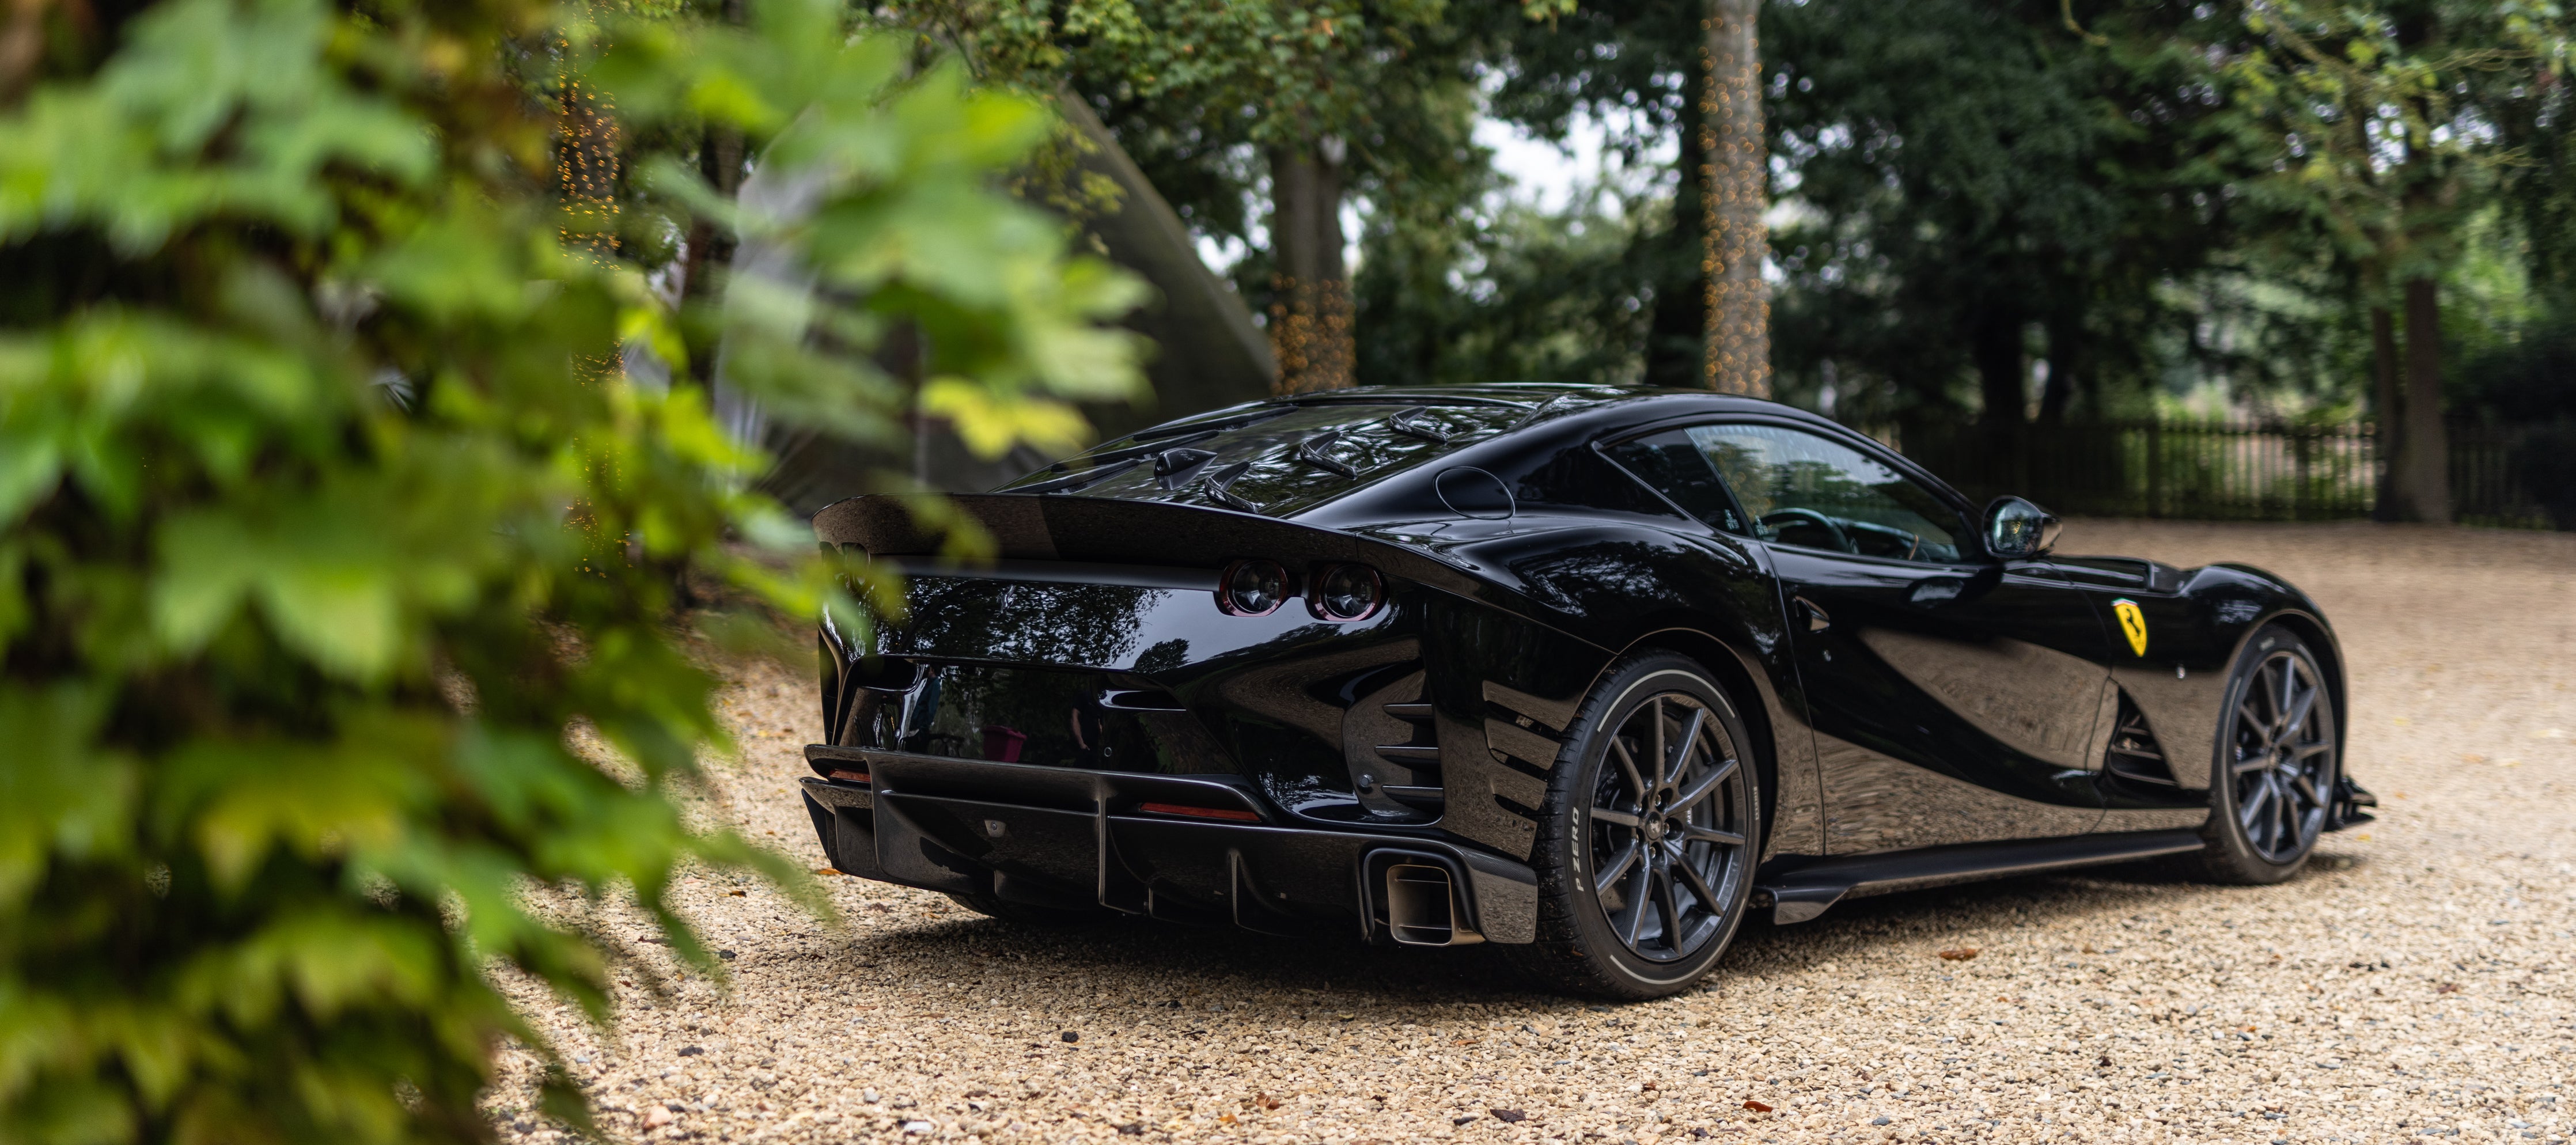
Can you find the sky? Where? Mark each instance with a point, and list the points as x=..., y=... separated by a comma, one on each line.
x=1539, y=171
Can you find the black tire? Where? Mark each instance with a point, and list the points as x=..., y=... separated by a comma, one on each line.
x=2275, y=765
x=1701, y=830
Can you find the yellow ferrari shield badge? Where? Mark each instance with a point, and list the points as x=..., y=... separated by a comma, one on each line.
x=2133, y=624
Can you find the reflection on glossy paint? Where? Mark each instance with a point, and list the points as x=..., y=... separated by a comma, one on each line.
x=2010, y=689
x=1054, y=719
x=1880, y=804
x=968, y=618
x=1092, y=626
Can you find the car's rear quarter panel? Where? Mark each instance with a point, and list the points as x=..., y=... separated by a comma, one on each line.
x=1293, y=703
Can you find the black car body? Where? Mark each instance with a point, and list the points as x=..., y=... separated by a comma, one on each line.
x=1107, y=718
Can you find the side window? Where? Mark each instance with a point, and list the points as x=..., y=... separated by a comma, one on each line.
x=1815, y=493
x=1578, y=479
x=1675, y=465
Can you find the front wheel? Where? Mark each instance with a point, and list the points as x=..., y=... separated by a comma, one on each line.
x=2272, y=784
x=1646, y=846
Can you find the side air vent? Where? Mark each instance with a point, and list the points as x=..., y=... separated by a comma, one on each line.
x=2134, y=754
x=1420, y=754
x=1423, y=750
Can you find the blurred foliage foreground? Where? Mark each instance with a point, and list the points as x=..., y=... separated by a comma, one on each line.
x=328, y=510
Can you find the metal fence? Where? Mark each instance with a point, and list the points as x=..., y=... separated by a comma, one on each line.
x=2213, y=470
x=2486, y=487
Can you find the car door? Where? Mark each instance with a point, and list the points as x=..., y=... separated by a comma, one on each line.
x=1953, y=698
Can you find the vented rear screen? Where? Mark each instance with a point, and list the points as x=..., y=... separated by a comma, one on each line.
x=1276, y=460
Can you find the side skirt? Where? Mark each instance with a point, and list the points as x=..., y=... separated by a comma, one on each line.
x=1800, y=887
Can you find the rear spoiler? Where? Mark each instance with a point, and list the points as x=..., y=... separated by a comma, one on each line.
x=1100, y=530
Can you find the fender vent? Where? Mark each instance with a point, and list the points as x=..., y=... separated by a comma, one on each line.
x=1423, y=750
x=2134, y=754
x=1419, y=754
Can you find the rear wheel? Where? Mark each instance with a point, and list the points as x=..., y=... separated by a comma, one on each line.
x=1646, y=846
x=2279, y=756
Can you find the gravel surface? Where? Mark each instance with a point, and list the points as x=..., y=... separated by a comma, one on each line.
x=2415, y=981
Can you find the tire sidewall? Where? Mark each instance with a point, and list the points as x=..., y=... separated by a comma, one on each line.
x=2231, y=853
x=1578, y=771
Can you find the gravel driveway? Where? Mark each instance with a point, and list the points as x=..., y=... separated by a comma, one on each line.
x=2415, y=981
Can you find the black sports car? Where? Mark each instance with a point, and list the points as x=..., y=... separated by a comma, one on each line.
x=1589, y=672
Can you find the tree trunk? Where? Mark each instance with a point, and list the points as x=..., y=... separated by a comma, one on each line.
x=2426, y=453
x=720, y=161
x=1310, y=314
x=2065, y=362
x=1677, y=334
x=2387, y=408
x=586, y=170
x=586, y=154
x=1738, y=355
x=1995, y=344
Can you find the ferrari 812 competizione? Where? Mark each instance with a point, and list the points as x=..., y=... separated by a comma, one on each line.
x=1590, y=673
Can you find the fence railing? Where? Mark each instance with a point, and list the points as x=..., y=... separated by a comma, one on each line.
x=2215, y=470
x=2485, y=486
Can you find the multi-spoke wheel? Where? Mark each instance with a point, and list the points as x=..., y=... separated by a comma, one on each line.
x=1646, y=849
x=2274, y=782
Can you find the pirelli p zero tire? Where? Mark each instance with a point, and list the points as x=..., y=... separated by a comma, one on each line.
x=1646, y=846
x=2279, y=755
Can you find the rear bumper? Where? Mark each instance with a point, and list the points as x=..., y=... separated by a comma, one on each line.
x=1068, y=838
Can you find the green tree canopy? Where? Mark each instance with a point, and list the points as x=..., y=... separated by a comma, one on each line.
x=1259, y=122
x=326, y=512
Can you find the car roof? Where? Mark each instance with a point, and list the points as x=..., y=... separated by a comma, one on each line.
x=1284, y=455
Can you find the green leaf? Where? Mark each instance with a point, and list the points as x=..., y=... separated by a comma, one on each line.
x=340, y=583
x=64, y=796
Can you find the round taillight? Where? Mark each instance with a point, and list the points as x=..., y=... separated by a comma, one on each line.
x=1346, y=593
x=1251, y=588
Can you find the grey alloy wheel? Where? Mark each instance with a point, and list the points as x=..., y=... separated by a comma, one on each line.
x=1666, y=828
x=2278, y=759
x=1647, y=842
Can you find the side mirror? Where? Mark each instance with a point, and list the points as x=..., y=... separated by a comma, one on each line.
x=2017, y=528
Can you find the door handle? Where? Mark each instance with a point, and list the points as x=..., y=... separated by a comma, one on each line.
x=1817, y=621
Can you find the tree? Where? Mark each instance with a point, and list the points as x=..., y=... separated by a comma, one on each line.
x=1737, y=194
x=1687, y=73
x=321, y=525
x=1505, y=290
x=1613, y=289
x=1968, y=175
x=2382, y=120
x=1956, y=177
x=1214, y=100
